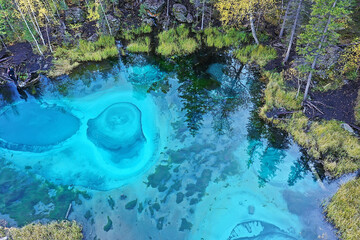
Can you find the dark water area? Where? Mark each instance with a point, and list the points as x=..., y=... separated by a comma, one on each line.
x=165, y=149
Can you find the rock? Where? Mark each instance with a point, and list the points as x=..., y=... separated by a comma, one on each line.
x=93, y=38
x=148, y=21
x=114, y=24
x=189, y=18
x=180, y=12
x=347, y=127
x=154, y=7
x=251, y=210
x=75, y=15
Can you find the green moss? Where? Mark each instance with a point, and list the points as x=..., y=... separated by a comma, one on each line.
x=259, y=54
x=63, y=230
x=344, y=210
x=108, y=225
x=176, y=42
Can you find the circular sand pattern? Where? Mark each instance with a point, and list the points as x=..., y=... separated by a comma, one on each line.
x=118, y=129
x=31, y=127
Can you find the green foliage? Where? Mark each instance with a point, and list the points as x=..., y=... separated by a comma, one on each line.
x=344, y=212
x=176, y=42
x=139, y=45
x=63, y=230
x=131, y=34
x=67, y=59
x=314, y=32
x=219, y=38
x=259, y=54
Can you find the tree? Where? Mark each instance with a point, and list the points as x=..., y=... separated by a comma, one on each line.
x=233, y=12
x=327, y=17
x=351, y=59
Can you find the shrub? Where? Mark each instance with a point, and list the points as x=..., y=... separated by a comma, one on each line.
x=344, y=212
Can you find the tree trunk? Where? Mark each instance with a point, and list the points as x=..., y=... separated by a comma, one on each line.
x=285, y=17
x=313, y=65
x=48, y=37
x=107, y=22
x=27, y=25
x=253, y=31
x=293, y=30
x=36, y=24
x=167, y=8
x=203, y=15
x=3, y=43
x=9, y=23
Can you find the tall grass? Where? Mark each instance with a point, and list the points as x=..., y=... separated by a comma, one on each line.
x=259, y=54
x=219, y=37
x=69, y=58
x=139, y=45
x=176, y=42
x=344, y=212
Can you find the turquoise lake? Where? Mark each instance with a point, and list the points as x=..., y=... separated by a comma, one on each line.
x=158, y=150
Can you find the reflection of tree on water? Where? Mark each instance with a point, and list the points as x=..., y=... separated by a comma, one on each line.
x=201, y=93
x=270, y=153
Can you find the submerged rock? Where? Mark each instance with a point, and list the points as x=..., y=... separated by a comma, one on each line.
x=258, y=230
x=118, y=128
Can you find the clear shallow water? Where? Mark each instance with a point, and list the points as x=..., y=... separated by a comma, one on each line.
x=200, y=163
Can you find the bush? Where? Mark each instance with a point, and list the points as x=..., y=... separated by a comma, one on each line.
x=176, y=42
x=259, y=54
x=344, y=212
x=63, y=230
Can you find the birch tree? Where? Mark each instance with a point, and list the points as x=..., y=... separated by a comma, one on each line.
x=233, y=12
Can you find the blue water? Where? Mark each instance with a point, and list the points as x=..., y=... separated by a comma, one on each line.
x=178, y=147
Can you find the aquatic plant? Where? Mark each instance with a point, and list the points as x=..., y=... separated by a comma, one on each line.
x=108, y=225
x=259, y=54
x=344, y=212
x=63, y=230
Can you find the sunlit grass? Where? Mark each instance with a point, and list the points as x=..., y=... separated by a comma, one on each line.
x=259, y=54
x=344, y=210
